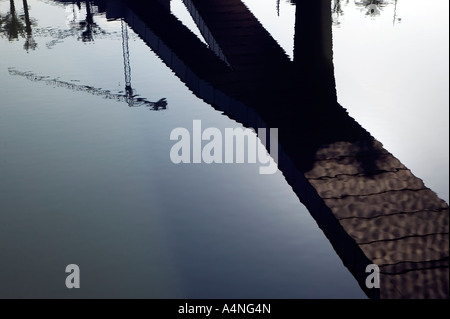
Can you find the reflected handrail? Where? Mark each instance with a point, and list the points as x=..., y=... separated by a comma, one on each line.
x=126, y=63
x=159, y=105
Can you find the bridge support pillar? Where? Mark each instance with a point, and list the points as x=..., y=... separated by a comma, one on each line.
x=313, y=47
x=114, y=9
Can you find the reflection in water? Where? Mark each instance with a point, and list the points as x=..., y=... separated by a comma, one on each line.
x=11, y=24
x=396, y=17
x=369, y=205
x=85, y=29
x=132, y=100
x=87, y=26
x=30, y=43
x=278, y=5
x=371, y=8
x=14, y=26
x=337, y=12
x=126, y=63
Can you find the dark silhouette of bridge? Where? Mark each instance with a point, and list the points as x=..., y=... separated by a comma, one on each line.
x=369, y=205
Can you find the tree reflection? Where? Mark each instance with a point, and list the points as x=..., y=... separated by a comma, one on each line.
x=372, y=8
x=11, y=24
x=396, y=18
x=336, y=11
x=87, y=26
x=87, y=35
x=85, y=30
x=30, y=43
x=278, y=5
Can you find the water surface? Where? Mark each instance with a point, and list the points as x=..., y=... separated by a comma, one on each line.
x=87, y=179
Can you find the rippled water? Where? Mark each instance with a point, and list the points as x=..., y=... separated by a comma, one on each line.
x=86, y=177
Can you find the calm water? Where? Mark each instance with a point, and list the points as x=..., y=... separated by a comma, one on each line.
x=87, y=179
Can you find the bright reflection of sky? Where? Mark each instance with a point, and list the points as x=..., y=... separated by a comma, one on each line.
x=178, y=9
x=279, y=23
x=394, y=80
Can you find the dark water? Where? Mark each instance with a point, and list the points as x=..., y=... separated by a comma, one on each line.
x=87, y=179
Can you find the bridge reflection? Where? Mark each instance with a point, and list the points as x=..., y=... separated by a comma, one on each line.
x=369, y=205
